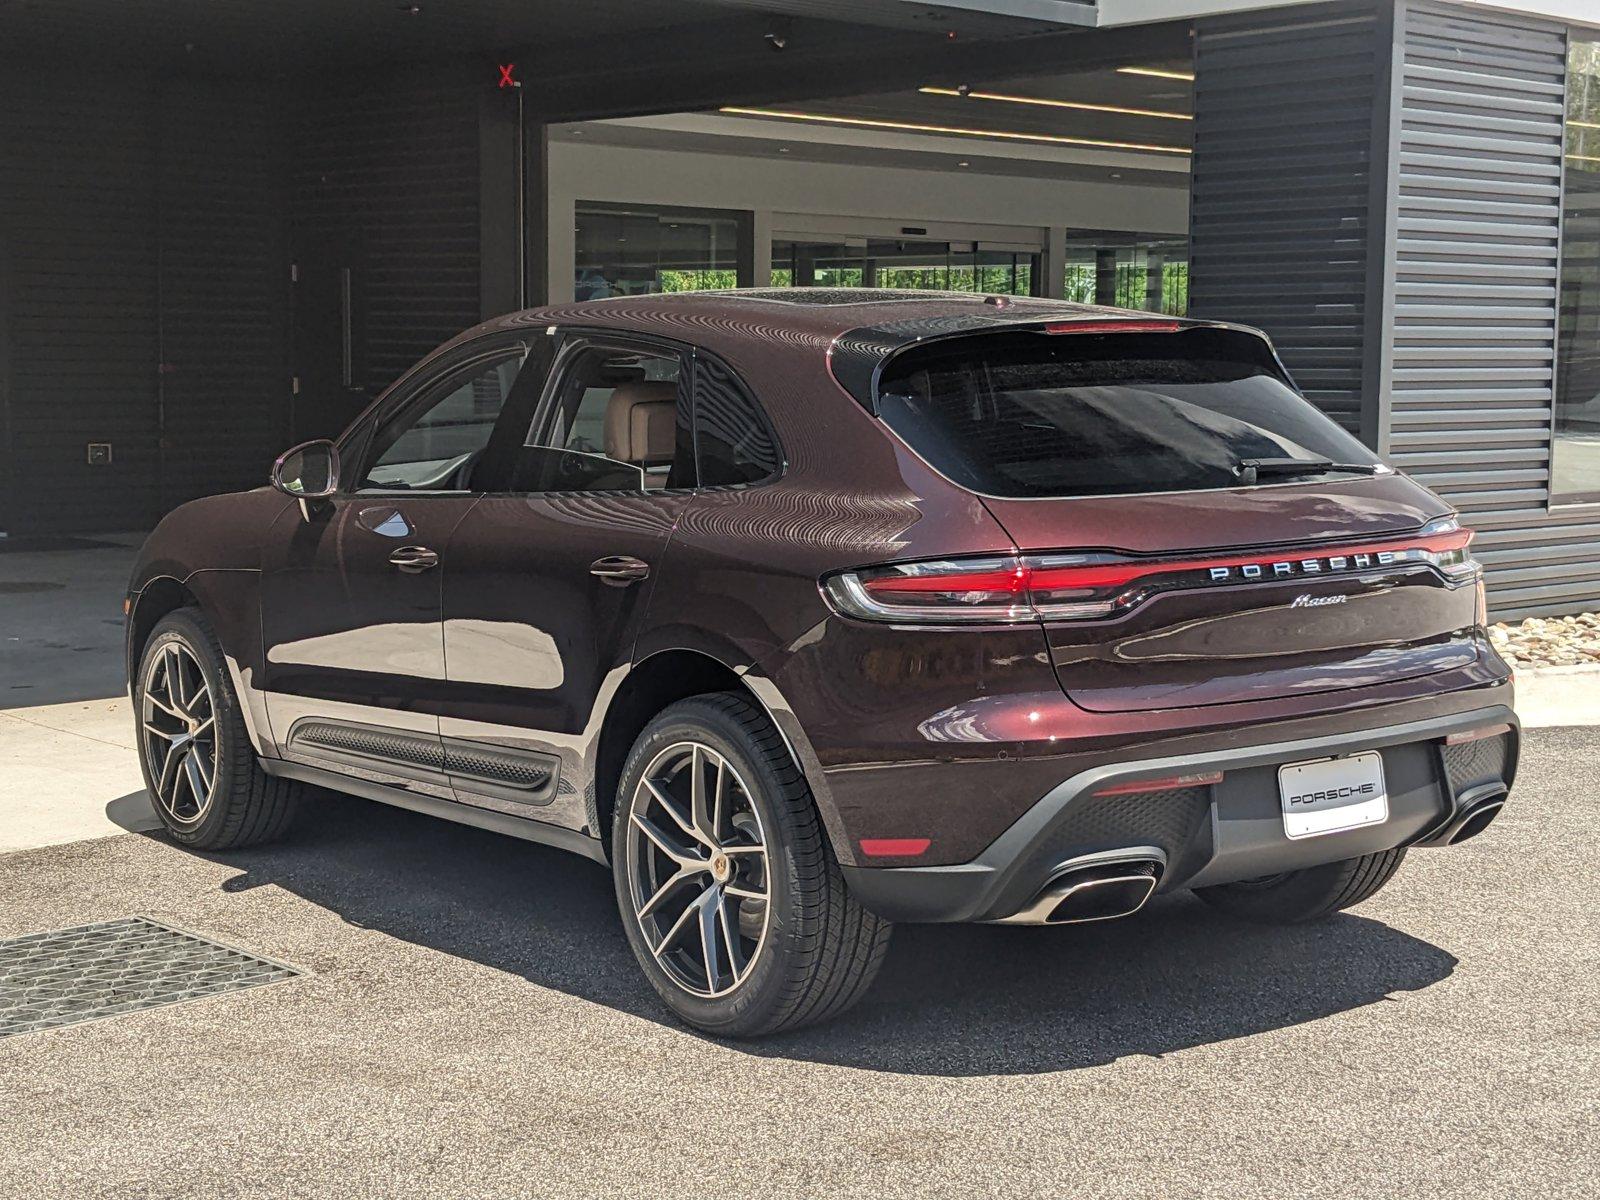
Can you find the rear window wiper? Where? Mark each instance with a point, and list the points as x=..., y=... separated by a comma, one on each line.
x=1250, y=469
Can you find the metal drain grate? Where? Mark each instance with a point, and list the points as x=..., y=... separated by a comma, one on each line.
x=66, y=976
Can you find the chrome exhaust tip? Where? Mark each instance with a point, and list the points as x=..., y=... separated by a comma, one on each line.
x=1475, y=810
x=1095, y=887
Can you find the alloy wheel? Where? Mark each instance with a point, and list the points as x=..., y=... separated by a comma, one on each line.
x=178, y=722
x=697, y=869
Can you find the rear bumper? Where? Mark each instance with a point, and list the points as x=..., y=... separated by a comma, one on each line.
x=1213, y=834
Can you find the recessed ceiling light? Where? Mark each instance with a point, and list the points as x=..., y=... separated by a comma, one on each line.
x=910, y=127
x=963, y=163
x=1044, y=103
x=783, y=149
x=1116, y=174
x=1156, y=72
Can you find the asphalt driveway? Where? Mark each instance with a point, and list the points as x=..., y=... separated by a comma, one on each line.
x=470, y=1024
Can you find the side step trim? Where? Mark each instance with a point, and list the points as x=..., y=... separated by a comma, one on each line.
x=462, y=814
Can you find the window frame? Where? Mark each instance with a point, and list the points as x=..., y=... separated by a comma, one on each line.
x=572, y=342
x=417, y=390
x=759, y=409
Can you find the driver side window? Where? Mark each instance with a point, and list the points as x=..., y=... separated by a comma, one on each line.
x=434, y=444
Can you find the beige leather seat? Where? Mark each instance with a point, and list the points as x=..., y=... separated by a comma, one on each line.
x=642, y=424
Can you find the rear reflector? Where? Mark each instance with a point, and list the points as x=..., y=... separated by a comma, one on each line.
x=894, y=847
x=1166, y=783
x=1473, y=735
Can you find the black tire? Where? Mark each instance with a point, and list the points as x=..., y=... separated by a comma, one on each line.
x=244, y=805
x=821, y=949
x=1306, y=895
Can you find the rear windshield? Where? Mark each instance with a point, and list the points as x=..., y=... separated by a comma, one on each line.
x=1033, y=415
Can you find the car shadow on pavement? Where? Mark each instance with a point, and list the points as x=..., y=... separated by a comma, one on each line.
x=951, y=1000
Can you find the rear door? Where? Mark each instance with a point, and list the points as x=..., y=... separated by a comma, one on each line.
x=550, y=574
x=1177, y=475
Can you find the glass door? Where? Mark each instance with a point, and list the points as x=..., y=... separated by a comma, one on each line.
x=905, y=264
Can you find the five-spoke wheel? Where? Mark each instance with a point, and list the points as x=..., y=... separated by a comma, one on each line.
x=730, y=895
x=200, y=767
x=178, y=724
x=697, y=868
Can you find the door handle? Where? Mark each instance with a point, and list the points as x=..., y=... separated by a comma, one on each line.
x=412, y=559
x=619, y=570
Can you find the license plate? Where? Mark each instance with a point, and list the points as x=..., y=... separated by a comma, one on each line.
x=1333, y=794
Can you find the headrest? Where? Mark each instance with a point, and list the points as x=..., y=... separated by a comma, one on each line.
x=641, y=422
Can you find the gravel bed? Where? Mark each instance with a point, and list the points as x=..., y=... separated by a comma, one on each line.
x=1550, y=641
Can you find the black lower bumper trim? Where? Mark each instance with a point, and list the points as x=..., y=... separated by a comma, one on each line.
x=1010, y=872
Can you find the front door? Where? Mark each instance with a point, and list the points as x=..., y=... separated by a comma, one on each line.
x=550, y=573
x=351, y=591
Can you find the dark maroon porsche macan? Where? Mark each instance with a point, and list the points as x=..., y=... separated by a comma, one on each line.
x=813, y=611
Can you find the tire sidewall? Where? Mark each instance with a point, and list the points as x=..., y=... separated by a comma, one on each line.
x=747, y=1008
x=184, y=628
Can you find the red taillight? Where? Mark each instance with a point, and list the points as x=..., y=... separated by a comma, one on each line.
x=1013, y=588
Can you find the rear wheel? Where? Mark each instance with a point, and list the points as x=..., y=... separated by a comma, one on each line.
x=1305, y=895
x=729, y=891
x=199, y=767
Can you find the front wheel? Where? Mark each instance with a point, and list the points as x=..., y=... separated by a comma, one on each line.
x=729, y=891
x=199, y=767
x=1305, y=895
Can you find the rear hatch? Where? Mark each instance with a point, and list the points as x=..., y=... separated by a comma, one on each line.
x=1193, y=532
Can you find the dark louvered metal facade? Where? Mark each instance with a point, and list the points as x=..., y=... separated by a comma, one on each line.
x=1378, y=185
x=78, y=256
x=146, y=229
x=1475, y=212
x=1281, y=200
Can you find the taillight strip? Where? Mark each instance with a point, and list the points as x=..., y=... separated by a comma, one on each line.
x=1025, y=577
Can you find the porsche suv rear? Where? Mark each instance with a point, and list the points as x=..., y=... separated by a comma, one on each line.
x=812, y=610
x=1217, y=644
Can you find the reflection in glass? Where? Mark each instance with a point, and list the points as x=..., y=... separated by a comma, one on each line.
x=1128, y=270
x=632, y=250
x=903, y=264
x=1575, y=456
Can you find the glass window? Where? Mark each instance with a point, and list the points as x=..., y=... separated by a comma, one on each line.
x=910, y=265
x=632, y=250
x=1575, y=456
x=1128, y=270
x=733, y=441
x=435, y=445
x=616, y=425
x=1035, y=415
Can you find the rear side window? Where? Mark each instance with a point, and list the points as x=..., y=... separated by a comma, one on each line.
x=1029, y=415
x=733, y=442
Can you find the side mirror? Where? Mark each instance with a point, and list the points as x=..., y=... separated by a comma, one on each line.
x=308, y=472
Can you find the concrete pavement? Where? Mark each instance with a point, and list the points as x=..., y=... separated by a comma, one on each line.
x=472, y=1025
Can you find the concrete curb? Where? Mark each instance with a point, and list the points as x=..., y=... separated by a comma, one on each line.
x=1548, y=696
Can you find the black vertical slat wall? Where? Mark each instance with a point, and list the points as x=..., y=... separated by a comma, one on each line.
x=223, y=282
x=146, y=228
x=141, y=237
x=386, y=175
x=77, y=240
x=1281, y=210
